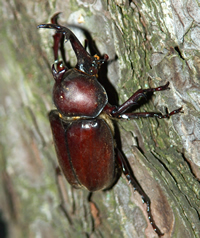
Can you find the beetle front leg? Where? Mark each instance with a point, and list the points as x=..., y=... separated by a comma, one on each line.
x=131, y=179
x=58, y=44
x=56, y=38
x=133, y=100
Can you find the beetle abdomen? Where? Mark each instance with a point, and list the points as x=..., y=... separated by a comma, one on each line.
x=79, y=95
x=85, y=151
x=91, y=150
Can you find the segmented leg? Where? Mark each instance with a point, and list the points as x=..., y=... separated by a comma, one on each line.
x=136, y=115
x=131, y=179
x=118, y=112
x=58, y=44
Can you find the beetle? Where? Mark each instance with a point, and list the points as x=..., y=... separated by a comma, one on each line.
x=82, y=125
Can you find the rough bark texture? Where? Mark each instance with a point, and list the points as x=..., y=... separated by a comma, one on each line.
x=148, y=43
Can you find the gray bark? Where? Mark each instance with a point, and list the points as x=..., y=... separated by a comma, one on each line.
x=155, y=42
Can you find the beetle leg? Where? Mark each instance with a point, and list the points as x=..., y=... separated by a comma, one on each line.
x=94, y=212
x=56, y=37
x=133, y=100
x=136, y=115
x=117, y=112
x=131, y=179
x=58, y=44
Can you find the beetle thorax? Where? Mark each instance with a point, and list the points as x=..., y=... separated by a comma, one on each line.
x=79, y=95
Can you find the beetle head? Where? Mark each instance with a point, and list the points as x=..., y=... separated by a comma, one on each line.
x=85, y=62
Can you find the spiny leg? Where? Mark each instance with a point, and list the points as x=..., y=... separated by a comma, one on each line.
x=118, y=112
x=136, y=115
x=58, y=44
x=131, y=179
x=133, y=100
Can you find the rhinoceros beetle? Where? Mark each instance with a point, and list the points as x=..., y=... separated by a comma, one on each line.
x=82, y=126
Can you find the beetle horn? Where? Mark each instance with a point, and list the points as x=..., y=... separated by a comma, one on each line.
x=78, y=48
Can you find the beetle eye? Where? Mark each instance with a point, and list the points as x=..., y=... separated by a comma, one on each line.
x=93, y=71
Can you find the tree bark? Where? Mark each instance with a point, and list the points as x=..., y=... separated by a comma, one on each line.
x=148, y=43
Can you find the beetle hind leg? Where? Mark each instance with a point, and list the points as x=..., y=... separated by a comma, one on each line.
x=136, y=186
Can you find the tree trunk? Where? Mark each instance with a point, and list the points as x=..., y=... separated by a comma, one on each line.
x=148, y=43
